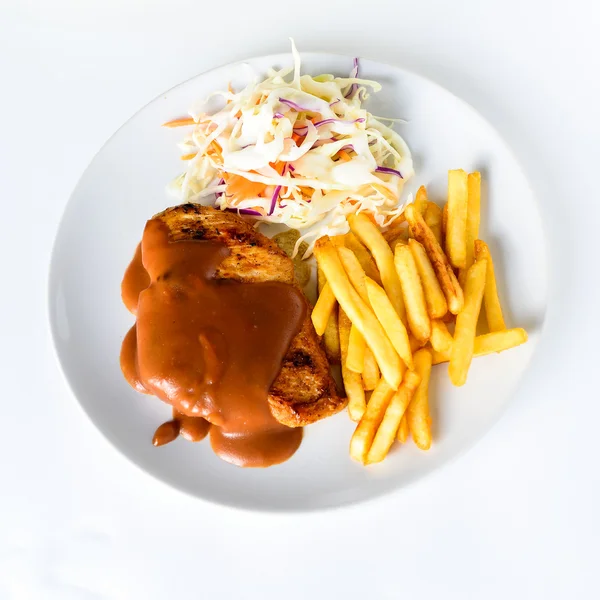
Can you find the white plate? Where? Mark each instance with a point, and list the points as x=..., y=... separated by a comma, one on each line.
x=125, y=185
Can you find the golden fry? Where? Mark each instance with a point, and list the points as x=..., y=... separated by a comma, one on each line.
x=448, y=318
x=390, y=321
x=466, y=323
x=359, y=353
x=433, y=218
x=439, y=262
x=364, y=433
x=421, y=200
x=331, y=337
x=403, y=430
x=412, y=289
x=397, y=230
x=434, y=296
x=456, y=228
x=352, y=382
x=386, y=433
x=359, y=312
x=499, y=341
x=493, y=310
x=444, y=222
x=354, y=271
x=364, y=258
x=489, y=343
x=370, y=374
x=323, y=309
x=473, y=219
x=441, y=340
x=397, y=242
x=355, y=361
x=368, y=233
x=419, y=420
x=415, y=344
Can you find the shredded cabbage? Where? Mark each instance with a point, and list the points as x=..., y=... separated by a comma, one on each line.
x=302, y=152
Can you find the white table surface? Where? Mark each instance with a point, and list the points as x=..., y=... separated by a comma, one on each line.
x=516, y=517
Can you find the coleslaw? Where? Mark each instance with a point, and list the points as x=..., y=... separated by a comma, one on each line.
x=297, y=150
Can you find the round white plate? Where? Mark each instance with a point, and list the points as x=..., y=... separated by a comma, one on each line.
x=125, y=185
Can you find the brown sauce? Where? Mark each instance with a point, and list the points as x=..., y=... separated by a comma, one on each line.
x=193, y=429
x=211, y=348
x=136, y=279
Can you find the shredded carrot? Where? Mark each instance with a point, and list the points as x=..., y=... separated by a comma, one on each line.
x=279, y=166
x=344, y=156
x=241, y=188
x=180, y=122
x=297, y=138
x=188, y=156
x=214, y=150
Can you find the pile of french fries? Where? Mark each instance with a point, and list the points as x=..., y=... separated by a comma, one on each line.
x=392, y=304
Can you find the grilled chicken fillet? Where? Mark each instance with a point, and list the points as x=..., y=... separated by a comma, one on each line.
x=304, y=391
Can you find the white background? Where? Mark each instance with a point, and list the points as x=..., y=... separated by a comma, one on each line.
x=515, y=517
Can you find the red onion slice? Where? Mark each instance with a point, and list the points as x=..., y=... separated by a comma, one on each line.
x=245, y=211
x=293, y=105
x=389, y=171
x=276, y=193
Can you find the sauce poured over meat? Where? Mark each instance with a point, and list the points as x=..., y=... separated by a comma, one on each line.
x=209, y=347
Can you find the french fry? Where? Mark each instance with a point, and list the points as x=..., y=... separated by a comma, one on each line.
x=339, y=241
x=437, y=306
x=489, y=343
x=456, y=228
x=370, y=374
x=441, y=340
x=403, y=430
x=412, y=290
x=399, y=241
x=466, y=323
x=352, y=381
x=331, y=337
x=444, y=222
x=498, y=341
x=368, y=233
x=390, y=321
x=473, y=219
x=364, y=258
x=448, y=318
x=397, y=234
x=386, y=433
x=359, y=352
x=354, y=271
x=439, y=262
x=433, y=218
x=363, y=435
x=493, y=310
x=417, y=414
x=355, y=361
x=415, y=344
x=421, y=200
x=323, y=309
x=398, y=229
x=359, y=312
